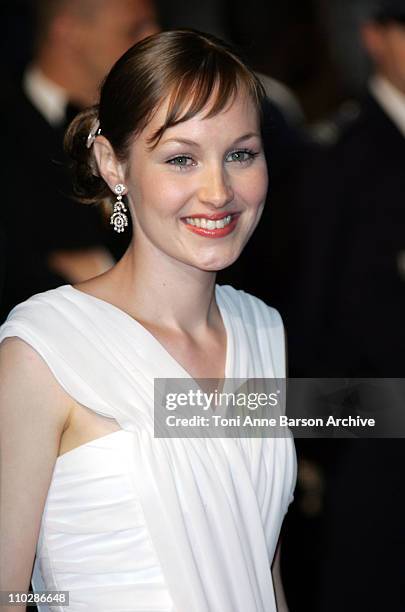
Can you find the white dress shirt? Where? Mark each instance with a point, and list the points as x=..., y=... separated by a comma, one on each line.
x=390, y=99
x=47, y=97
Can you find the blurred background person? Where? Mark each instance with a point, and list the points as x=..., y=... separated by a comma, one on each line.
x=349, y=238
x=50, y=239
x=345, y=318
x=368, y=257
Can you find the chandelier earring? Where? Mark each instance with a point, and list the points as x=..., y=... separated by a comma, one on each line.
x=118, y=218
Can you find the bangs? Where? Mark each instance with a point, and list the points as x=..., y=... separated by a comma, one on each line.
x=215, y=85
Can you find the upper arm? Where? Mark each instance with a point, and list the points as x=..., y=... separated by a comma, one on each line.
x=33, y=413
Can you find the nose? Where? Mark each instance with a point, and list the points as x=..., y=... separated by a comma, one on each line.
x=215, y=189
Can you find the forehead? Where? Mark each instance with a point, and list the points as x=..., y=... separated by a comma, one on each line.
x=240, y=114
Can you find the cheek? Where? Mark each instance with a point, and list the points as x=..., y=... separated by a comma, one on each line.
x=108, y=48
x=397, y=50
x=401, y=58
x=160, y=194
x=253, y=188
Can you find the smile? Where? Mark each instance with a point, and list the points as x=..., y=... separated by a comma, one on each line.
x=209, y=224
x=210, y=227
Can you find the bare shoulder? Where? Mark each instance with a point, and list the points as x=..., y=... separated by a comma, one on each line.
x=16, y=356
x=28, y=389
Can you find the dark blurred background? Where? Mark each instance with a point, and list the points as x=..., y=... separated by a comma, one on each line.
x=329, y=252
x=310, y=45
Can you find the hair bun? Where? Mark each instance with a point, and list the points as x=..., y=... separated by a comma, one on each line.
x=88, y=186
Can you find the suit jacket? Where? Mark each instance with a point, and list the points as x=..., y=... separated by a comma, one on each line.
x=38, y=213
x=346, y=317
x=347, y=287
x=367, y=296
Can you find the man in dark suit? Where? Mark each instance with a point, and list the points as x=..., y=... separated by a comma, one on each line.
x=366, y=299
x=50, y=238
x=347, y=255
x=348, y=320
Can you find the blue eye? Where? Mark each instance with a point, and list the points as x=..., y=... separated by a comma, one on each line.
x=241, y=156
x=181, y=161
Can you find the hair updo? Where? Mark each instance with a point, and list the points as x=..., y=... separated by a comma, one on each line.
x=184, y=66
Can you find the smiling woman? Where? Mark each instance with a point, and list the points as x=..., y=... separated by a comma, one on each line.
x=119, y=518
x=192, y=178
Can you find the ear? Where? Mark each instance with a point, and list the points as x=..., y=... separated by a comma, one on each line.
x=373, y=38
x=109, y=167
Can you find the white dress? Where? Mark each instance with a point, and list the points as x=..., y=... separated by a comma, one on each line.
x=134, y=523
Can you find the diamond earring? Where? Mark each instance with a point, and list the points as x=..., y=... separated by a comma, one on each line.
x=118, y=218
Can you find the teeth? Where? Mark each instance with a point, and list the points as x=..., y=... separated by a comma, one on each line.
x=209, y=224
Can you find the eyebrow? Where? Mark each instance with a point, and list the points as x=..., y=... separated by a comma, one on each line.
x=192, y=143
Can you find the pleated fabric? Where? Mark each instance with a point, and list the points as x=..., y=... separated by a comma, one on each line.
x=137, y=523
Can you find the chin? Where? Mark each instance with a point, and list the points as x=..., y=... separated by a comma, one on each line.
x=215, y=264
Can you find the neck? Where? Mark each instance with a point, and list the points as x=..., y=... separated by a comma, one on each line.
x=67, y=73
x=164, y=292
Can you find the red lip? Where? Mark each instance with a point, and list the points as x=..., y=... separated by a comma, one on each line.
x=214, y=233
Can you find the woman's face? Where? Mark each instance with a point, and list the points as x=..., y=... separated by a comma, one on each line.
x=198, y=195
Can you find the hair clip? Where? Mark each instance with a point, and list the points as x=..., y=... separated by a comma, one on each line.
x=95, y=131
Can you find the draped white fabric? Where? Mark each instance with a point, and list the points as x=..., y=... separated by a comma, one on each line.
x=213, y=507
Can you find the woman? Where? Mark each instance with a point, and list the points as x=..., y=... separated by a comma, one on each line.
x=129, y=521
